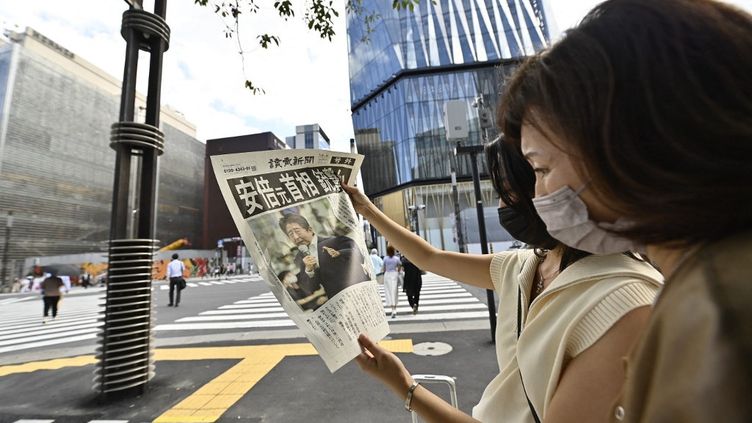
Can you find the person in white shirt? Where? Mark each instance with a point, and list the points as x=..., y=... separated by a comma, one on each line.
x=378, y=266
x=175, y=274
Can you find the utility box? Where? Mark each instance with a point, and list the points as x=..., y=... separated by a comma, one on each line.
x=455, y=120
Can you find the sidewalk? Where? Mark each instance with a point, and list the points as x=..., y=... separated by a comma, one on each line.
x=297, y=388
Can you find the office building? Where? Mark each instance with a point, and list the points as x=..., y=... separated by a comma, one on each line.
x=218, y=223
x=309, y=136
x=402, y=71
x=56, y=166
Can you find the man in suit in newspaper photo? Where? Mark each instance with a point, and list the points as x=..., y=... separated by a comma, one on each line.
x=334, y=262
x=307, y=300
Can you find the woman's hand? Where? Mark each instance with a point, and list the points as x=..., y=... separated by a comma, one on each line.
x=384, y=366
x=360, y=202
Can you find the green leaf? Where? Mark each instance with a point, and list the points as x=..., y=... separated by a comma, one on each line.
x=255, y=90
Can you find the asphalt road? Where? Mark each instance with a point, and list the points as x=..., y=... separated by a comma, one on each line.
x=450, y=336
x=239, y=308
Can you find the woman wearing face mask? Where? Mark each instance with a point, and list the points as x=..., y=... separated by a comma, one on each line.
x=565, y=318
x=639, y=125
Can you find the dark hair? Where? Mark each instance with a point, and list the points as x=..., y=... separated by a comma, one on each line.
x=513, y=180
x=281, y=275
x=175, y=256
x=293, y=218
x=390, y=251
x=654, y=100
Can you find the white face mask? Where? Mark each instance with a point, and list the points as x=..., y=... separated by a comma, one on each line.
x=566, y=219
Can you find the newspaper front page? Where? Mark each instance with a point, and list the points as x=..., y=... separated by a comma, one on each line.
x=304, y=235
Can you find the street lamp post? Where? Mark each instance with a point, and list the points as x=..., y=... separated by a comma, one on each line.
x=125, y=362
x=473, y=151
x=455, y=116
x=457, y=216
x=414, y=215
x=8, y=226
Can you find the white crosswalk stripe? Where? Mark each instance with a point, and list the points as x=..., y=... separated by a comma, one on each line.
x=197, y=283
x=14, y=300
x=22, y=327
x=440, y=300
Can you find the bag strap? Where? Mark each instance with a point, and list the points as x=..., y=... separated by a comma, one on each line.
x=519, y=330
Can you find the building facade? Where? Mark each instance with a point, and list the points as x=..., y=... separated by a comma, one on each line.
x=56, y=166
x=218, y=223
x=309, y=136
x=402, y=71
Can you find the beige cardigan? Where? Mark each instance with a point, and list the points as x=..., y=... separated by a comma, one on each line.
x=692, y=365
x=579, y=306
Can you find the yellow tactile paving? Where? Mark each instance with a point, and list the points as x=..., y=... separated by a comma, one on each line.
x=223, y=401
x=212, y=400
x=235, y=388
x=194, y=402
x=55, y=364
x=244, y=374
x=215, y=388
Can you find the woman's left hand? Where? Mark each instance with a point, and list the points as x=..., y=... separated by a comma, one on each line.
x=360, y=202
x=384, y=366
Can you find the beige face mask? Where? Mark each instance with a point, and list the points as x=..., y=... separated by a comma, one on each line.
x=566, y=219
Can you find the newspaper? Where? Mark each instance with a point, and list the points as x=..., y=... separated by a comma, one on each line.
x=303, y=233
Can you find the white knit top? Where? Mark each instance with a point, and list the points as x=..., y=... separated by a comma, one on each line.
x=573, y=312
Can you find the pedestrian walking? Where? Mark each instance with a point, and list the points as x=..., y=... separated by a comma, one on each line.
x=413, y=282
x=85, y=280
x=175, y=271
x=26, y=284
x=16, y=285
x=67, y=282
x=392, y=266
x=378, y=266
x=51, y=292
x=37, y=277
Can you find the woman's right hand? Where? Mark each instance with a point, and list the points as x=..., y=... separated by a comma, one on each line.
x=360, y=202
x=383, y=365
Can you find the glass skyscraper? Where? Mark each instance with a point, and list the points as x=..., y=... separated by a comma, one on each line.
x=402, y=71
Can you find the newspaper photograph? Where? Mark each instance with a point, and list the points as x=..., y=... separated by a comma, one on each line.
x=303, y=233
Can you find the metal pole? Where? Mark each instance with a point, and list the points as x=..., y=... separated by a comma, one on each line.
x=125, y=358
x=457, y=216
x=8, y=225
x=473, y=151
x=417, y=221
x=483, y=244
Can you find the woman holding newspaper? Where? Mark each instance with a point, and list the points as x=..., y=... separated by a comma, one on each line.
x=566, y=318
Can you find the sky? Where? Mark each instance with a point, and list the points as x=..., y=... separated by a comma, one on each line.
x=305, y=78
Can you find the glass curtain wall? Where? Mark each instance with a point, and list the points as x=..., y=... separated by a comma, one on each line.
x=437, y=221
x=403, y=69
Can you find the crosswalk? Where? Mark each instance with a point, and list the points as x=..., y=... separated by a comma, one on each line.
x=440, y=300
x=196, y=283
x=15, y=300
x=22, y=327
